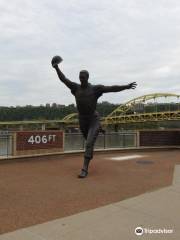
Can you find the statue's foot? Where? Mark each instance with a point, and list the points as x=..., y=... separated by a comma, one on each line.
x=83, y=173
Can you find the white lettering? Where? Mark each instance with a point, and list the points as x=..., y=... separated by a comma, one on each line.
x=31, y=140
x=37, y=139
x=42, y=139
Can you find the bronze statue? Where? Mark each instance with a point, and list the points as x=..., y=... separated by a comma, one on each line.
x=86, y=96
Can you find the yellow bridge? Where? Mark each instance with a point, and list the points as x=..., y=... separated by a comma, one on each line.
x=133, y=111
x=126, y=113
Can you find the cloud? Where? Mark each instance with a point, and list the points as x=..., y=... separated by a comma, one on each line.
x=118, y=42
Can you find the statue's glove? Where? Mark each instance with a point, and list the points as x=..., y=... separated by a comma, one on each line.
x=55, y=61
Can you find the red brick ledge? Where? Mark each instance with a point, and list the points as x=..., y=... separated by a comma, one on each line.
x=122, y=150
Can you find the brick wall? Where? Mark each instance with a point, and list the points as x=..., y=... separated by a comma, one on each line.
x=159, y=138
x=36, y=142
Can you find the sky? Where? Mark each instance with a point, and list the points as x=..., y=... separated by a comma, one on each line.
x=118, y=42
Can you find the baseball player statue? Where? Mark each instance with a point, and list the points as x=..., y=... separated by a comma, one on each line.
x=86, y=96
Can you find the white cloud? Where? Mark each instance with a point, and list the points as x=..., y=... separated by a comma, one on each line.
x=118, y=42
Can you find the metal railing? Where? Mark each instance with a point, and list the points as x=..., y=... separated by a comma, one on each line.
x=5, y=144
x=75, y=141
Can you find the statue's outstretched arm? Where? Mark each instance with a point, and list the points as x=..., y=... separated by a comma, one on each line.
x=117, y=88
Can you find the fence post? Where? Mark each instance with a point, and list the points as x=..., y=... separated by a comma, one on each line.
x=137, y=139
x=14, y=144
x=83, y=143
x=123, y=138
x=104, y=140
x=7, y=144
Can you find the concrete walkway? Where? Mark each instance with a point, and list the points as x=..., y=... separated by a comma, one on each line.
x=153, y=211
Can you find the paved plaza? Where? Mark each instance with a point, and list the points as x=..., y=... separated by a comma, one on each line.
x=42, y=198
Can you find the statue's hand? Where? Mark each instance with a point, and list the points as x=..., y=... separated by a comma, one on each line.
x=132, y=85
x=55, y=66
x=55, y=61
